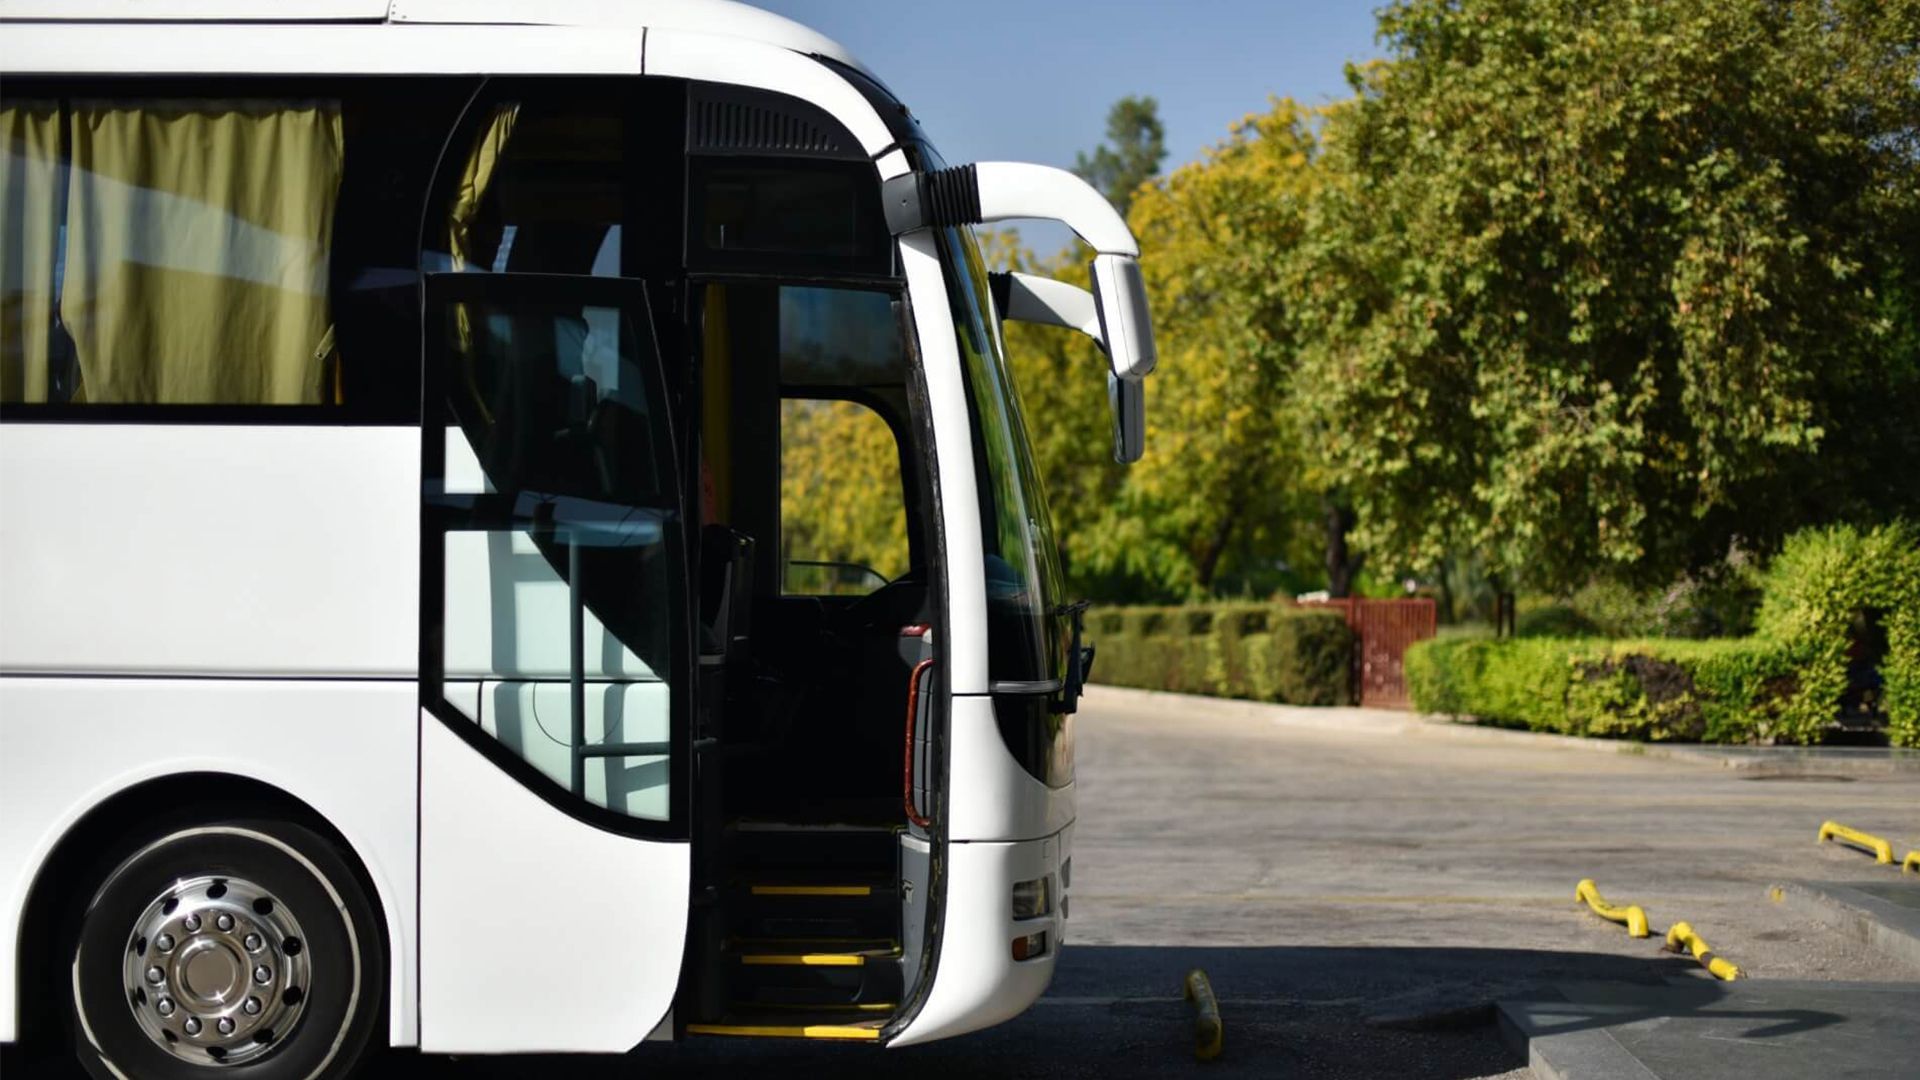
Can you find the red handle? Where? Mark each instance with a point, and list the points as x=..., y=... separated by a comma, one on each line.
x=906, y=767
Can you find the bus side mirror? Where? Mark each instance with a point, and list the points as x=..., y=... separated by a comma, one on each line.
x=1120, y=296
x=1128, y=398
x=991, y=191
x=1030, y=298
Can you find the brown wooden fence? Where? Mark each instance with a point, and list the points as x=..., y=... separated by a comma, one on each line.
x=1382, y=631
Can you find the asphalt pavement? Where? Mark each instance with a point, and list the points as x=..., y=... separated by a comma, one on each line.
x=1361, y=895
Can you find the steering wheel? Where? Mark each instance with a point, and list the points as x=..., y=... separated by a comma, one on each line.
x=880, y=609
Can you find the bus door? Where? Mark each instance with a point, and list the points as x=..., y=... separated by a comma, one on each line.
x=556, y=669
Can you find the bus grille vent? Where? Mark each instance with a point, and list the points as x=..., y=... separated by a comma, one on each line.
x=733, y=127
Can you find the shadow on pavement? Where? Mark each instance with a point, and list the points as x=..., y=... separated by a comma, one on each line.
x=1116, y=1011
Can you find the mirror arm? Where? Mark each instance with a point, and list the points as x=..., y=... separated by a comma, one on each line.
x=1030, y=298
x=991, y=191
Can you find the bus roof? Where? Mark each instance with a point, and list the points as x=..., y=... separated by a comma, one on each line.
x=724, y=17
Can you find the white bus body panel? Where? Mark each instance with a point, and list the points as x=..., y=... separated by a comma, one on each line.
x=346, y=749
x=270, y=553
x=978, y=983
x=541, y=933
x=183, y=549
x=989, y=795
x=191, y=10
x=291, y=49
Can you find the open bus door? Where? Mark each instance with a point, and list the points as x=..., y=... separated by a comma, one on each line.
x=557, y=669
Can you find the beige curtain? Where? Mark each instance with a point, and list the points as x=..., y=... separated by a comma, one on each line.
x=482, y=163
x=29, y=241
x=196, y=267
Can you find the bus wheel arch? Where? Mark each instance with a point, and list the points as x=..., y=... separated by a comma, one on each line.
x=89, y=851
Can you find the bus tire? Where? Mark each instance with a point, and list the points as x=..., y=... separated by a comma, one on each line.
x=237, y=948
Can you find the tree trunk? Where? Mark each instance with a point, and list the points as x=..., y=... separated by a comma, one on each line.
x=1216, y=547
x=1342, y=565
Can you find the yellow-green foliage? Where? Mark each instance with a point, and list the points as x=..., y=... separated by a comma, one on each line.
x=1266, y=652
x=1782, y=685
x=1812, y=593
x=840, y=488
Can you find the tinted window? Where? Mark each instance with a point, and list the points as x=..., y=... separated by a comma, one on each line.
x=558, y=523
x=1027, y=624
x=226, y=243
x=802, y=216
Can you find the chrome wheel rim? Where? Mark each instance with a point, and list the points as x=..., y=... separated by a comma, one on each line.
x=216, y=971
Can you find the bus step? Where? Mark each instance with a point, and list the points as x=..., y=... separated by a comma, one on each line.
x=798, y=973
x=787, y=909
x=815, y=952
x=775, y=845
x=813, y=1023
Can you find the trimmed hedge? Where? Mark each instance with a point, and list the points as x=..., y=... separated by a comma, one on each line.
x=1743, y=690
x=1265, y=652
x=1782, y=685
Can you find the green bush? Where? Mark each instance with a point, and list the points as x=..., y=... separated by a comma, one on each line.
x=1827, y=582
x=1781, y=685
x=1265, y=652
x=1739, y=690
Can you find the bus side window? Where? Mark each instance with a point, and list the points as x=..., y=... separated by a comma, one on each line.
x=186, y=254
x=238, y=246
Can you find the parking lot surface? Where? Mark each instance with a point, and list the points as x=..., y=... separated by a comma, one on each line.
x=1361, y=898
x=1361, y=894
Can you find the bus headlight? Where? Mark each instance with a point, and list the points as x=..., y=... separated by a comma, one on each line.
x=1030, y=899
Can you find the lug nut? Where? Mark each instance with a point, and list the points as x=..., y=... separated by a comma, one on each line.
x=164, y=943
x=225, y=1024
x=154, y=974
x=251, y=1006
x=253, y=942
x=224, y=921
x=263, y=974
x=164, y=1006
x=191, y=922
x=192, y=1026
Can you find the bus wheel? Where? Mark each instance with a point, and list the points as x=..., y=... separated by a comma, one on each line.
x=242, y=948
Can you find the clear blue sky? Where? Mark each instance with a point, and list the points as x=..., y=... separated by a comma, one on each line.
x=1031, y=80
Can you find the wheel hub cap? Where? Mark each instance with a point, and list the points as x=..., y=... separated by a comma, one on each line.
x=216, y=970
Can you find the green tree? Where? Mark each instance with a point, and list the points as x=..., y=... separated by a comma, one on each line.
x=1222, y=502
x=841, y=498
x=1135, y=148
x=1606, y=284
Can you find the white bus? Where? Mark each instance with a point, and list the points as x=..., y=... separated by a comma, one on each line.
x=407, y=632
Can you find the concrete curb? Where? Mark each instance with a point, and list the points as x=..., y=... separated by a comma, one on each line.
x=1686, y=1027
x=1585, y=1054
x=1356, y=720
x=1855, y=910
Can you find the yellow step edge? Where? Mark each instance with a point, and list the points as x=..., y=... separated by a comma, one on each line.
x=783, y=1031
x=804, y=959
x=872, y=1007
x=812, y=890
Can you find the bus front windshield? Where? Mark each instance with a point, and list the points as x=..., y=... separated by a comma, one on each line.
x=1027, y=622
